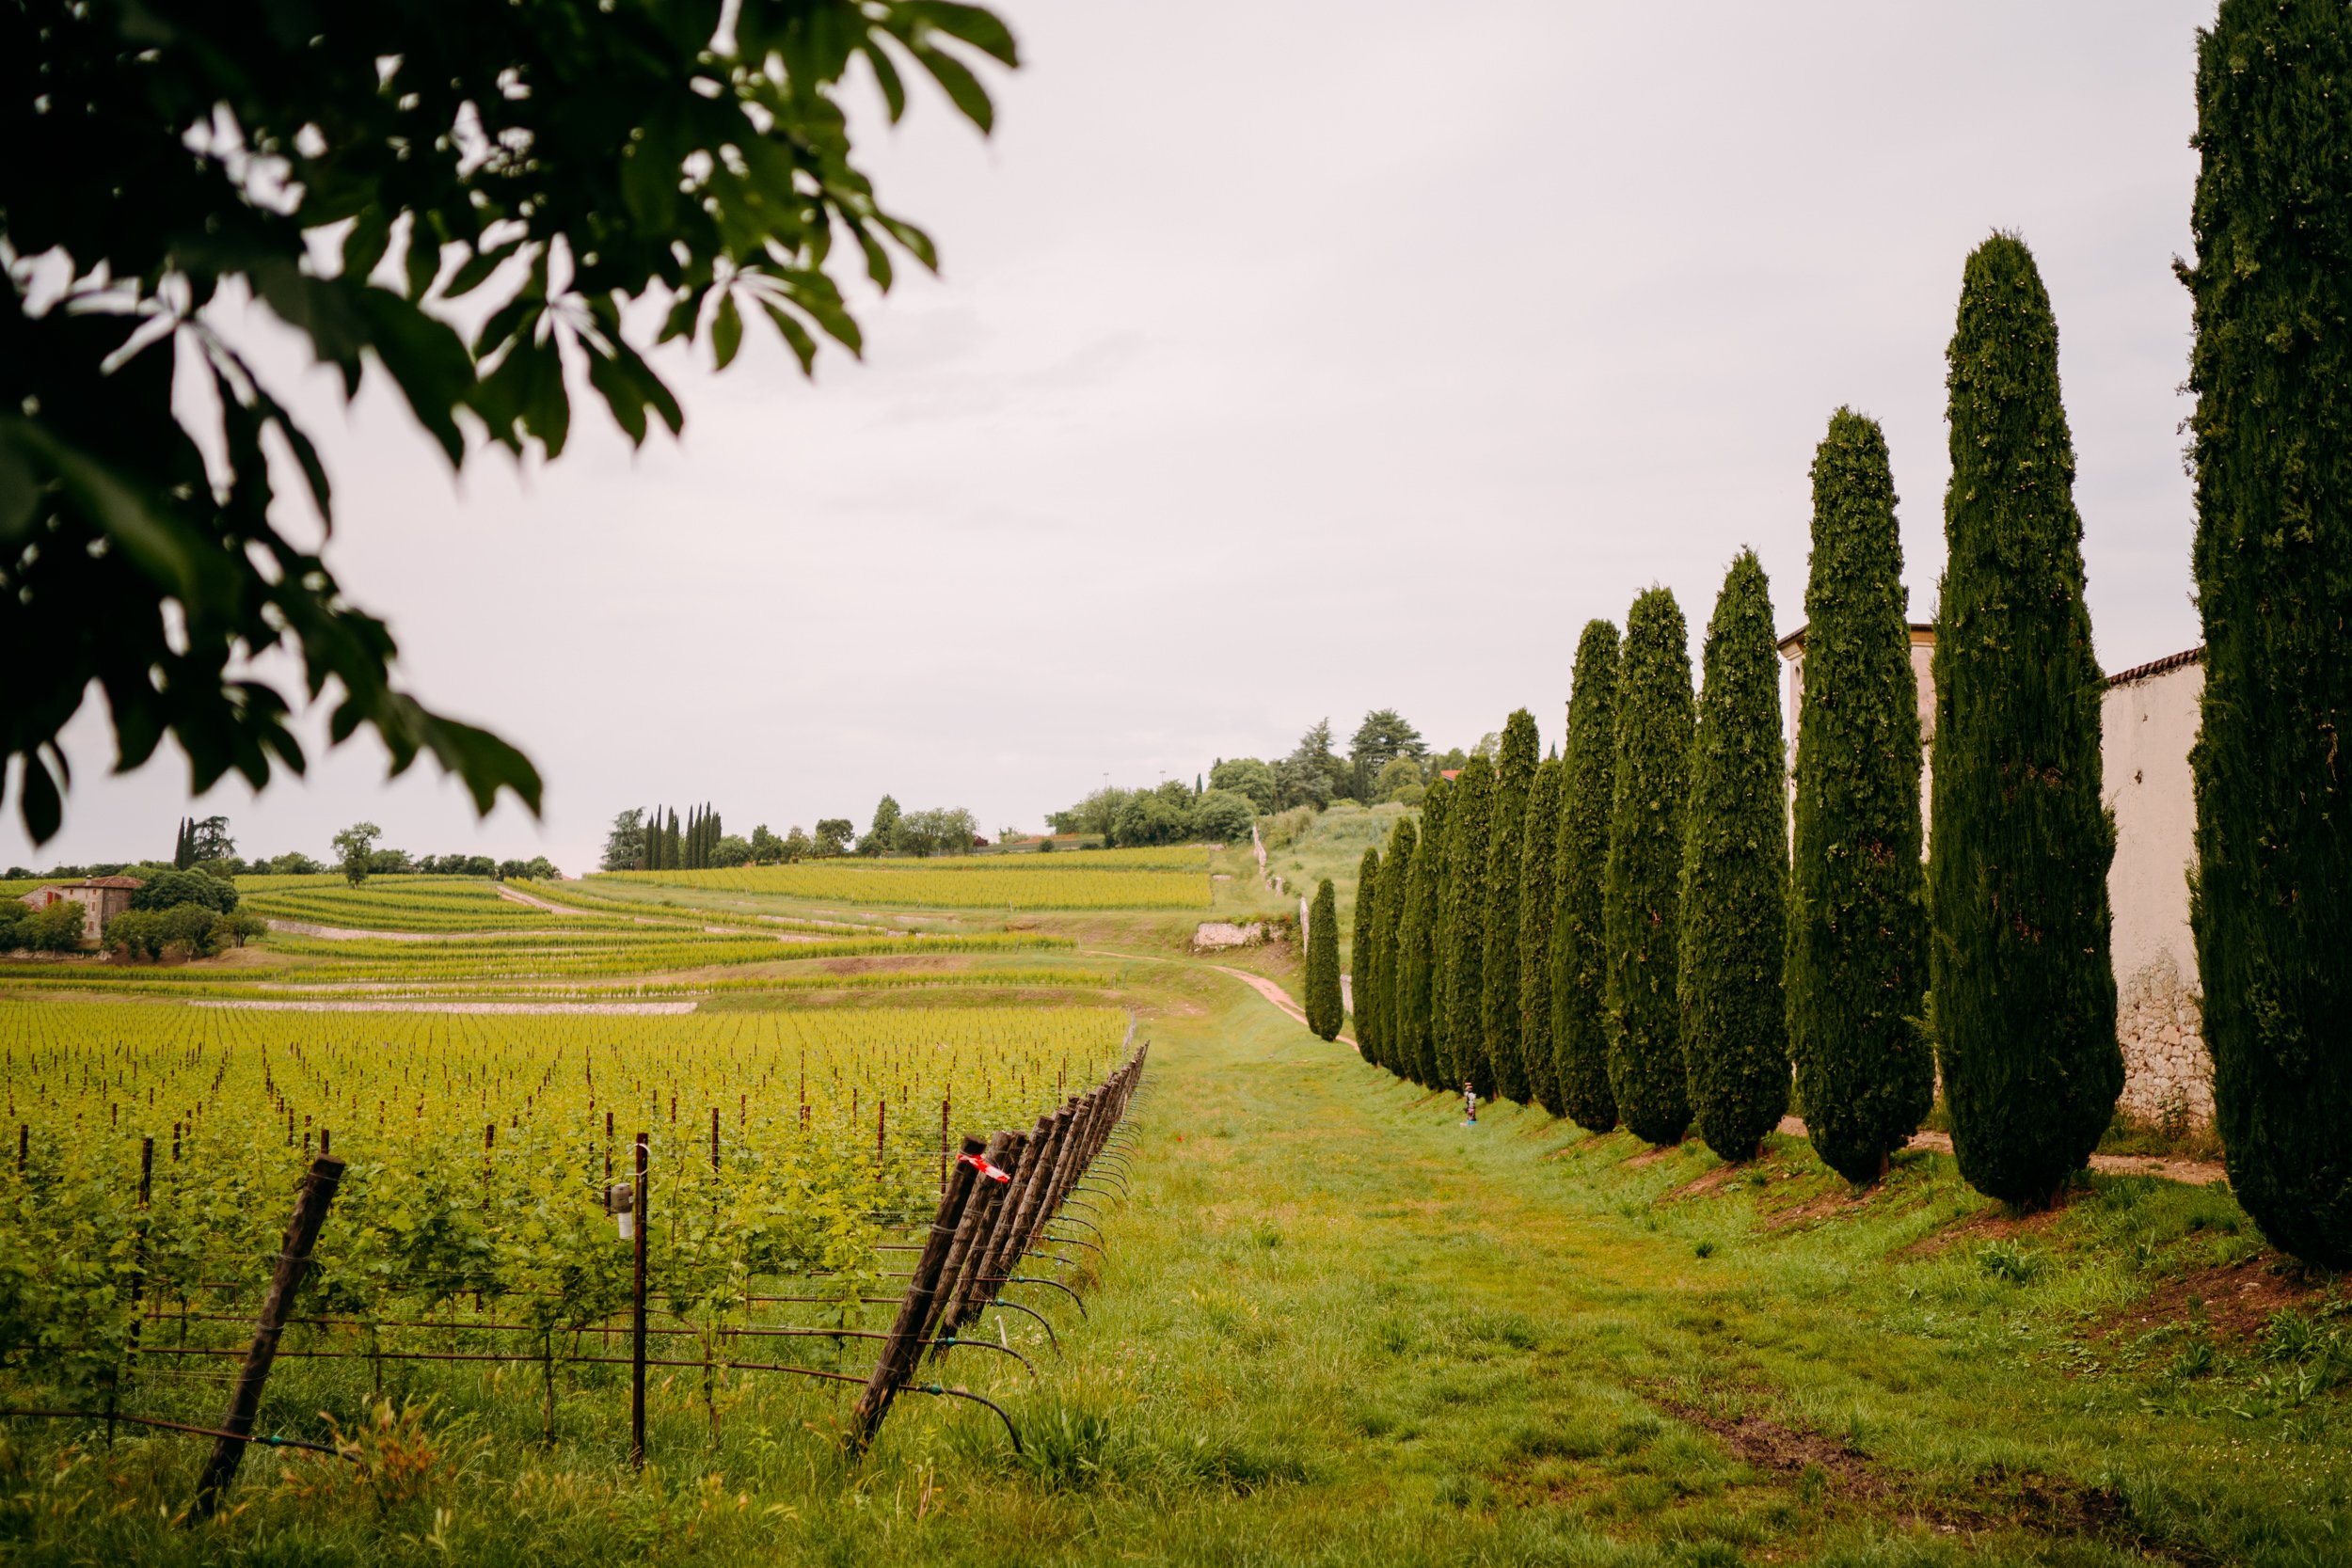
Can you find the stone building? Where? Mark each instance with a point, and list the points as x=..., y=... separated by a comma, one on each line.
x=2148, y=720
x=102, y=898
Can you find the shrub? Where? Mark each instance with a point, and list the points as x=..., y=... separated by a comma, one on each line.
x=1735, y=878
x=1857, y=930
x=1539, y=892
x=1643, y=894
x=1580, y=968
x=1222, y=816
x=1324, y=1013
x=2023, y=988
x=2270, y=367
x=1498, y=977
x=171, y=888
x=60, y=928
x=136, y=934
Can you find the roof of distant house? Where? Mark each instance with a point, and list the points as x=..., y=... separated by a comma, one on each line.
x=109, y=881
x=1449, y=773
x=2158, y=666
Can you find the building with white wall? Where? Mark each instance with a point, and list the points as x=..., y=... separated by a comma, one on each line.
x=2148, y=720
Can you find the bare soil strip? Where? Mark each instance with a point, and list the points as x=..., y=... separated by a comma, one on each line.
x=1280, y=998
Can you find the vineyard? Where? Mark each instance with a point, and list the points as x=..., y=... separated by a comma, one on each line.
x=787, y=1153
x=981, y=882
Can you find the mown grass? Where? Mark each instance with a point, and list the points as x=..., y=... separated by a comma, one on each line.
x=1335, y=1326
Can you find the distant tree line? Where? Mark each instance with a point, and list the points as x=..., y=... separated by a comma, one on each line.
x=658, y=841
x=208, y=846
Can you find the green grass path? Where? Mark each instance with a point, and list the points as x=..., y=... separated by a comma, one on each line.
x=1335, y=1325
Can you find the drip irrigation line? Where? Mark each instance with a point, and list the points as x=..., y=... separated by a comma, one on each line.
x=1051, y=1338
x=1074, y=1219
x=1035, y=1279
x=1010, y=1431
x=1074, y=1241
x=174, y=1426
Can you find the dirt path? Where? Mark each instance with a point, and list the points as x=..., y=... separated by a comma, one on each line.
x=1280, y=998
x=2193, y=1172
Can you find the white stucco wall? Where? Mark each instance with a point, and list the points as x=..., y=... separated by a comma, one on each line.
x=2147, y=725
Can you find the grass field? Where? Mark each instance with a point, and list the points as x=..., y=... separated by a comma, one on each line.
x=1328, y=1325
x=983, y=883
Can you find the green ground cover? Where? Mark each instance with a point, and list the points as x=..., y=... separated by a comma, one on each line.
x=1333, y=1325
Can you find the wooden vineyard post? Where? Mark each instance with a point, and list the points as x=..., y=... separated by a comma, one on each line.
x=245, y=1402
x=882, y=1121
x=943, y=1146
x=967, y=1237
x=993, y=1203
x=905, y=1341
x=637, y=1320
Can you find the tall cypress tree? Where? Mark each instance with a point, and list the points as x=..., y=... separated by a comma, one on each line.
x=2023, y=988
x=1324, y=1010
x=1857, y=922
x=1580, y=964
x=1642, y=897
x=1539, y=890
x=1506, y=833
x=1735, y=878
x=1396, y=874
x=1461, y=977
x=2272, y=370
x=1360, y=956
x=183, y=847
x=1416, y=944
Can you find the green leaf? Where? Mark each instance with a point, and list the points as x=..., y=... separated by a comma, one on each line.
x=177, y=557
x=956, y=79
x=20, y=491
x=426, y=359
x=726, y=331
x=804, y=346
x=974, y=24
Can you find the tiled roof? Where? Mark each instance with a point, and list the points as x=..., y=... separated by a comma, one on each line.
x=2158, y=667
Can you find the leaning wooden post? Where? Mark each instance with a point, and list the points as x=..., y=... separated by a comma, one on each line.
x=1019, y=1210
x=964, y=1249
x=245, y=1402
x=995, y=1207
x=637, y=1319
x=905, y=1343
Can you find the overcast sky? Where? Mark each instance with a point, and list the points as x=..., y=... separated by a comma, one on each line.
x=1287, y=360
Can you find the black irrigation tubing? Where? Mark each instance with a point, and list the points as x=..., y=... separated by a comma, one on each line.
x=1074, y=1219
x=1010, y=1431
x=1051, y=1338
x=173, y=1426
x=1033, y=1279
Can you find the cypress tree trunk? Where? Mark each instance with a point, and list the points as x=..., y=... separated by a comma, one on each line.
x=1580, y=966
x=1500, y=968
x=1462, y=977
x=2272, y=370
x=1359, y=955
x=1396, y=874
x=1539, y=892
x=1735, y=878
x=1416, y=944
x=1858, y=924
x=2023, y=988
x=1324, y=1012
x=1642, y=894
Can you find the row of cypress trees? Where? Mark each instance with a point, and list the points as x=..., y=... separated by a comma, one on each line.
x=670, y=848
x=1625, y=934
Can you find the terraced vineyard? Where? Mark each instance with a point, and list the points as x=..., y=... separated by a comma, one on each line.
x=978, y=883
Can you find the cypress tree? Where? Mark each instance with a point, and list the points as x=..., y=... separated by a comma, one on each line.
x=1396, y=874
x=1857, y=926
x=182, y=851
x=1416, y=944
x=1324, y=1012
x=1515, y=773
x=1642, y=897
x=1735, y=878
x=2023, y=988
x=2272, y=370
x=1538, y=895
x=1580, y=967
x=1360, y=956
x=1461, y=978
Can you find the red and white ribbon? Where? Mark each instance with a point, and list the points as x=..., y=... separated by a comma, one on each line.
x=988, y=1172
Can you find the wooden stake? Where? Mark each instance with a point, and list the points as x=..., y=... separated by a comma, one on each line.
x=294, y=1257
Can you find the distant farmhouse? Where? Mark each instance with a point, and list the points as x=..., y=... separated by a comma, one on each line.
x=102, y=898
x=2147, y=723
